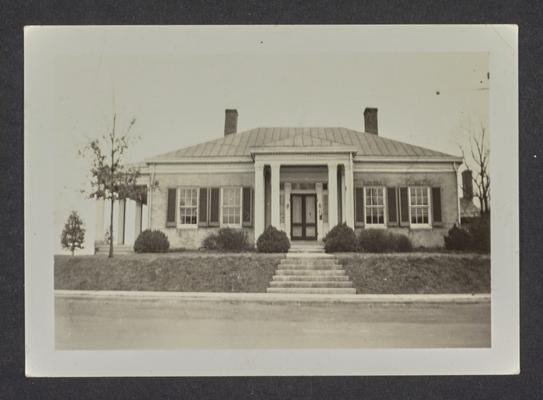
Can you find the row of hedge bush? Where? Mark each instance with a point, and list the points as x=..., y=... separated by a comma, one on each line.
x=343, y=238
x=225, y=239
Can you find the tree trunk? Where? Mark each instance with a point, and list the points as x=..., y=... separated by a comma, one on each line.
x=111, y=227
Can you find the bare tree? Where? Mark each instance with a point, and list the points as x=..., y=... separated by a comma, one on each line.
x=479, y=153
x=110, y=178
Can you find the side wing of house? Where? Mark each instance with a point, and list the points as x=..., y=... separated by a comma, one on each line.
x=190, y=201
x=419, y=199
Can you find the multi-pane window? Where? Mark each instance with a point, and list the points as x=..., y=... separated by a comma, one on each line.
x=231, y=206
x=419, y=205
x=375, y=205
x=188, y=206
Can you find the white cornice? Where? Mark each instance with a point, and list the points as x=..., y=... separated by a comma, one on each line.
x=303, y=150
x=414, y=159
x=199, y=160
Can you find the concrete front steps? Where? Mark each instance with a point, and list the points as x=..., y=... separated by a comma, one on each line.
x=310, y=273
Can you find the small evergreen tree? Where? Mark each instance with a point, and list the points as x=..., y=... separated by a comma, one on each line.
x=73, y=234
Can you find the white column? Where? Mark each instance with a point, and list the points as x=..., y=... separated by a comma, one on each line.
x=120, y=221
x=343, y=191
x=287, y=208
x=99, y=227
x=259, y=200
x=137, y=220
x=318, y=188
x=349, y=196
x=275, y=196
x=332, y=195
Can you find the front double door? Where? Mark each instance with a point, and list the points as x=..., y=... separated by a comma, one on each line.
x=303, y=217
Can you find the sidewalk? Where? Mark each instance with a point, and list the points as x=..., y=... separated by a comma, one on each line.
x=279, y=297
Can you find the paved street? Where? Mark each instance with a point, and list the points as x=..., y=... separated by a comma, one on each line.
x=131, y=322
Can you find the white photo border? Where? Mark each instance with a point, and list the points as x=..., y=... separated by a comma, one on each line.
x=499, y=41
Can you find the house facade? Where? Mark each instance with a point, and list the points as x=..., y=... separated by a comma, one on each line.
x=303, y=181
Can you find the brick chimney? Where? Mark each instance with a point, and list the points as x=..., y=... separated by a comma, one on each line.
x=370, y=120
x=467, y=185
x=230, y=122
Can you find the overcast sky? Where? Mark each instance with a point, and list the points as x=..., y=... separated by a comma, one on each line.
x=178, y=97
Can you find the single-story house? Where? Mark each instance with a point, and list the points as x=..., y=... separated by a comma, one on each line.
x=303, y=181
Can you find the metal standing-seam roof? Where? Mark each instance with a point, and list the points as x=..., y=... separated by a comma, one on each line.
x=240, y=144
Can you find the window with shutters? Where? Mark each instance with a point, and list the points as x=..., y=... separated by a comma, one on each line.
x=247, y=206
x=359, y=206
x=171, y=206
x=188, y=207
x=374, y=199
x=392, y=206
x=231, y=206
x=214, y=206
x=419, y=207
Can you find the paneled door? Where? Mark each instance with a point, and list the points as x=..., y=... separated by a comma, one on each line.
x=303, y=217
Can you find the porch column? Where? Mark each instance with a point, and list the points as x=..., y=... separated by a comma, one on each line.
x=120, y=221
x=332, y=195
x=259, y=200
x=275, y=196
x=318, y=188
x=287, y=208
x=99, y=227
x=342, y=188
x=137, y=220
x=349, y=196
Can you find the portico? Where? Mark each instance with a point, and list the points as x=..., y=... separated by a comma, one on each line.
x=304, y=193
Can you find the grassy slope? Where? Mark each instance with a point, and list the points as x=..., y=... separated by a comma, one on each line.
x=167, y=272
x=418, y=273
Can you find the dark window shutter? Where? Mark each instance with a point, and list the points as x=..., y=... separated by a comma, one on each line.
x=247, y=206
x=392, y=206
x=404, y=207
x=359, y=206
x=214, y=204
x=170, y=210
x=202, y=209
x=436, y=205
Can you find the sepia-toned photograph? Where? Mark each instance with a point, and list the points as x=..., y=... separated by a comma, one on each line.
x=250, y=193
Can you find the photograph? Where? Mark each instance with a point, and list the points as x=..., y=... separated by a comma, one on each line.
x=273, y=188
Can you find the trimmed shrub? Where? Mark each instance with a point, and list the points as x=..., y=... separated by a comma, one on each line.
x=401, y=243
x=273, y=240
x=232, y=239
x=458, y=239
x=480, y=234
x=380, y=241
x=227, y=239
x=150, y=241
x=340, y=238
x=211, y=242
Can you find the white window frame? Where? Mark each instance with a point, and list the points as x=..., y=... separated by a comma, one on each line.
x=384, y=206
x=429, y=196
x=178, y=209
x=222, y=224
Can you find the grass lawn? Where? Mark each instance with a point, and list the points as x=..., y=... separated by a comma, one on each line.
x=182, y=272
x=418, y=272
